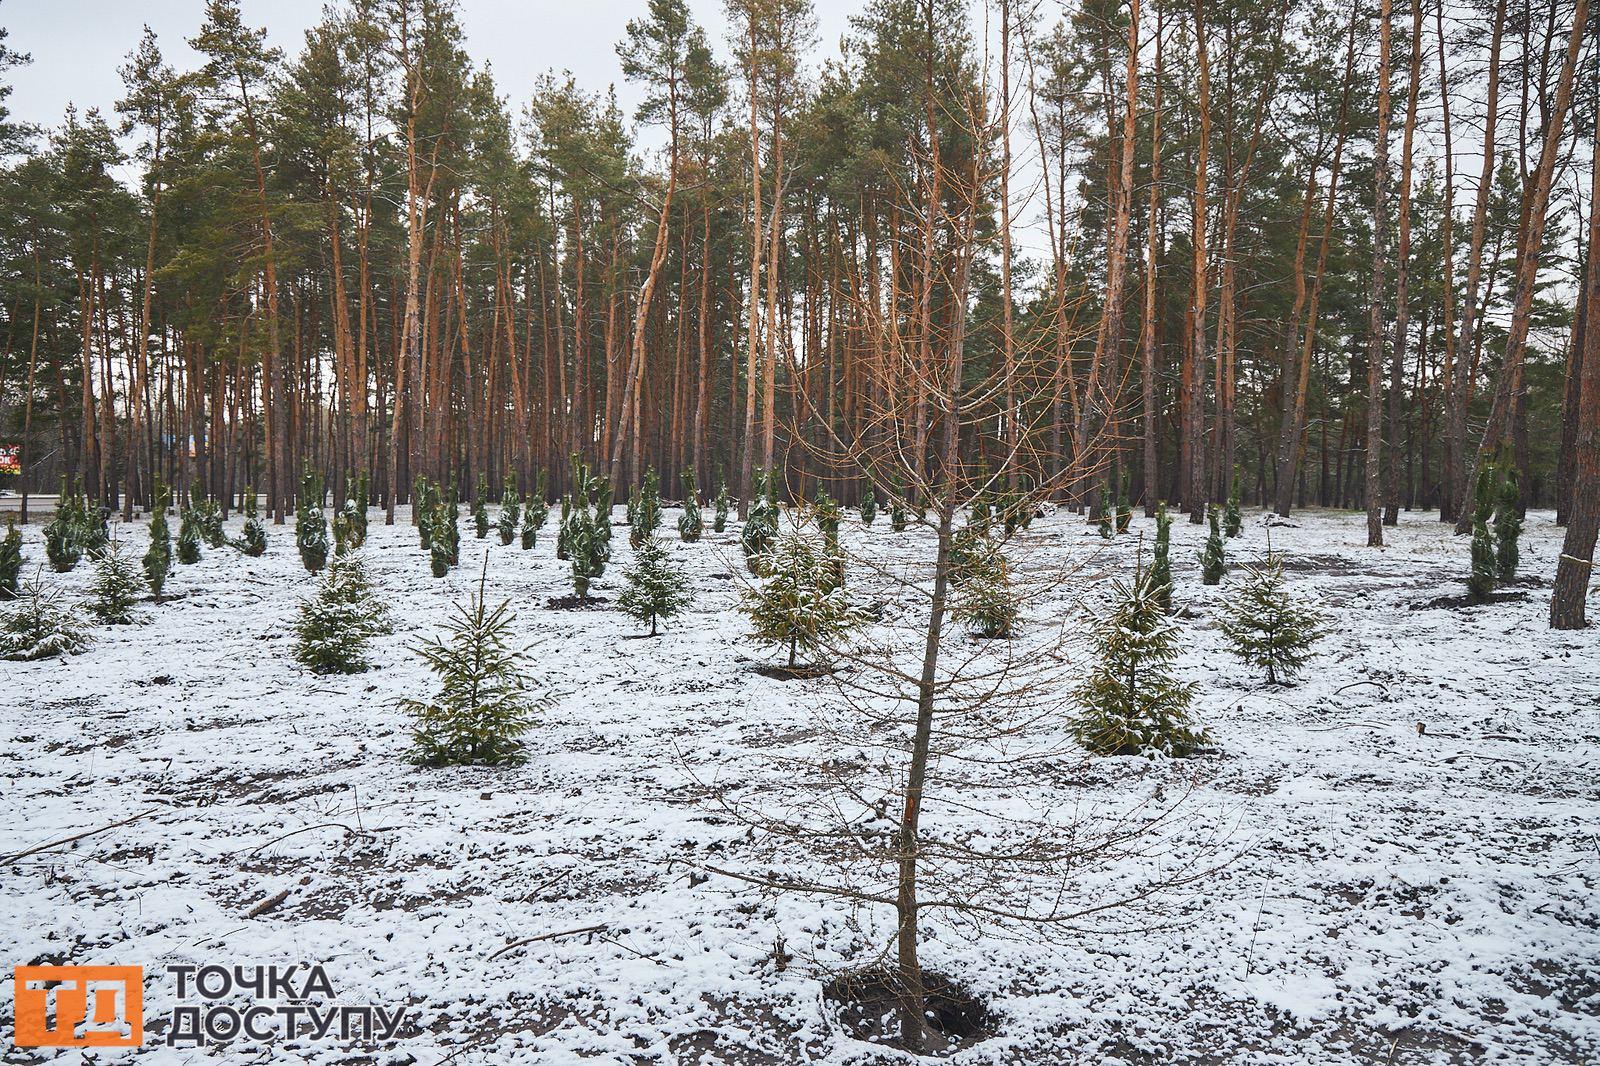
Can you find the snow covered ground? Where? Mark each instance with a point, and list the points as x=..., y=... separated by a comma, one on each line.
x=1381, y=896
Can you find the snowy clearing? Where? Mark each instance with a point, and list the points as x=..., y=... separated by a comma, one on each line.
x=1387, y=896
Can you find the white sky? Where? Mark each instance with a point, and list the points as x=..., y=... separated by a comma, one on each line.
x=77, y=45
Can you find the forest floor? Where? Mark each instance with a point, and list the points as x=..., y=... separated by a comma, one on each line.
x=1375, y=894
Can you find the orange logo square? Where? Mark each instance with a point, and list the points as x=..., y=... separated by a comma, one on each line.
x=79, y=1006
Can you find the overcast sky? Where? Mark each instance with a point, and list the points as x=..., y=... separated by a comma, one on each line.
x=77, y=45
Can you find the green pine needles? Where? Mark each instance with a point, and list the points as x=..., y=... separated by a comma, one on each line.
x=310, y=525
x=986, y=603
x=485, y=702
x=41, y=625
x=800, y=605
x=337, y=622
x=189, y=537
x=1131, y=703
x=1161, y=561
x=63, y=543
x=656, y=589
x=719, y=522
x=645, y=516
x=1213, y=560
x=761, y=528
x=690, y=524
x=253, y=539
x=158, y=557
x=1507, y=527
x=510, y=511
x=480, y=509
x=10, y=560
x=1270, y=629
x=1107, y=516
x=118, y=584
x=1232, y=518
x=869, y=505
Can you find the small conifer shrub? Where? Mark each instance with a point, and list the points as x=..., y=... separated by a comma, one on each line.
x=510, y=511
x=1233, y=518
x=656, y=589
x=690, y=524
x=1161, y=560
x=62, y=544
x=40, y=625
x=799, y=605
x=986, y=601
x=646, y=516
x=761, y=528
x=253, y=540
x=1131, y=703
x=1485, y=567
x=310, y=525
x=869, y=505
x=1124, y=508
x=719, y=522
x=1107, y=515
x=1507, y=527
x=337, y=622
x=189, y=537
x=480, y=510
x=158, y=557
x=118, y=584
x=10, y=560
x=1269, y=628
x=209, y=516
x=1213, y=561
x=485, y=702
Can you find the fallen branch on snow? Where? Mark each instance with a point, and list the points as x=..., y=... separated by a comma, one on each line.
x=549, y=936
x=75, y=837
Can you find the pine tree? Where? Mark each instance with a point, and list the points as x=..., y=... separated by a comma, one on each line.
x=338, y=620
x=531, y=521
x=158, y=557
x=117, y=585
x=799, y=605
x=1233, y=520
x=61, y=535
x=510, y=511
x=720, y=522
x=761, y=528
x=310, y=525
x=690, y=524
x=1485, y=567
x=1124, y=508
x=425, y=505
x=1107, y=516
x=253, y=540
x=480, y=510
x=10, y=560
x=1269, y=628
x=585, y=550
x=484, y=704
x=356, y=502
x=40, y=625
x=1161, y=561
x=646, y=517
x=897, y=514
x=656, y=589
x=208, y=516
x=1507, y=527
x=986, y=602
x=1131, y=703
x=869, y=505
x=189, y=537
x=601, y=500
x=1213, y=562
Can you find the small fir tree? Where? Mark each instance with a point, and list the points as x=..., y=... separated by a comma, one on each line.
x=189, y=537
x=1269, y=628
x=720, y=522
x=656, y=589
x=337, y=622
x=424, y=505
x=1124, y=508
x=1107, y=516
x=985, y=601
x=530, y=524
x=646, y=517
x=209, y=517
x=1233, y=519
x=1485, y=567
x=356, y=501
x=586, y=551
x=310, y=525
x=1507, y=527
x=1161, y=561
x=253, y=540
x=829, y=517
x=1131, y=703
x=601, y=500
x=690, y=524
x=799, y=606
x=158, y=557
x=485, y=702
x=761, y=528
x=510, y=511
x=1213, y=562
x=10, y=560
x=61, y=535
x=41, y=625
x=869, y=505
x=897, y=507
x=480, y=509
x=118, y=584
